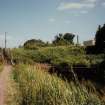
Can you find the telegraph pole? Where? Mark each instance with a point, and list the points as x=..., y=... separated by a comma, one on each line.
x=77, y=40
x=5, y=40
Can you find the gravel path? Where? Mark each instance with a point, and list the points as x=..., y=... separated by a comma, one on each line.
x=4, y=75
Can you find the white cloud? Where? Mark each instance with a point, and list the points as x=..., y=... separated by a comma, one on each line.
x=90, y=1
x=83, y=12
x=52, y=20
x=72, y=5
x=67, y=21
x=103, y=4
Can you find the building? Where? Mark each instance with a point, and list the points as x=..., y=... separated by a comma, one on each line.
x=89, y=43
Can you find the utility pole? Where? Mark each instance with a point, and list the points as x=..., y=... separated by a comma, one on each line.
x=5, y=40
x=77, y=40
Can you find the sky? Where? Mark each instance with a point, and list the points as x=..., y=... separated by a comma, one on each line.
x=43, y=19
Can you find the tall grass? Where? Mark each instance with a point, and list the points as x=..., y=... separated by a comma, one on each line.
x=1, y=67
x=36, y=87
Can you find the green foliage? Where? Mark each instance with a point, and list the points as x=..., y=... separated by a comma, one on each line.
x=69, y=37
x=33, y=44
x=47, y=54
x=66, y=39
x=39, y=88
x=100, y=39
x=56, y=55
x=21, y=56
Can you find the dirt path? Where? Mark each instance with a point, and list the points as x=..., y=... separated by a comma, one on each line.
x=4, y=76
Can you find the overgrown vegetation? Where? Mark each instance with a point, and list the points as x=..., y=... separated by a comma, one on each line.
x=55, y=55
x=68, y=60
x=36, y=87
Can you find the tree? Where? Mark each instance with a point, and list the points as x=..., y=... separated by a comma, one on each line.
x=100, y=39
x=58, y=38
x=33, y=44
x=69, y=37
x=65, y=39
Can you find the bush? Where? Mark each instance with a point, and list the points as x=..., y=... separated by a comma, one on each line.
x=34, y=44
x=56, y=55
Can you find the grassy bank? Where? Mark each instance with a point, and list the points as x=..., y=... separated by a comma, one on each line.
x=36, y=87
x=56, y=55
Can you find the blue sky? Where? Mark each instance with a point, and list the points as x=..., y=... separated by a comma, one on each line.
x=26, y=19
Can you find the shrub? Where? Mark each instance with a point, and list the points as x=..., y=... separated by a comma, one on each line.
x=56, y=55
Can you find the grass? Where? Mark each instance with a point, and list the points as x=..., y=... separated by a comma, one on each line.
x=1, y=68
x=33, y=86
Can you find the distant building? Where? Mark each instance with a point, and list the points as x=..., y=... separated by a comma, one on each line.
x=89, y=43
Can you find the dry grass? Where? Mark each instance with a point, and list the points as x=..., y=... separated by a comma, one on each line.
x=32, y=86
x=1, y=67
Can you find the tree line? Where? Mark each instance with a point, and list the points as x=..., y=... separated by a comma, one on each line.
x=60, y=39
x=99, y=46
x=68, y=39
